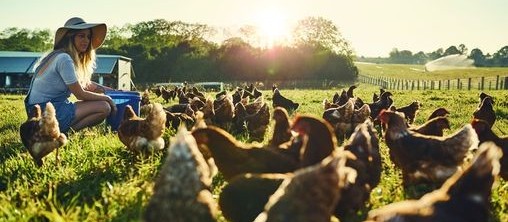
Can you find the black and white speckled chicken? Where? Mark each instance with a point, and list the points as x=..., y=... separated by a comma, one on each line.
x=143, y=135
x=40, y=133
x=182, y=189
x=463, y=197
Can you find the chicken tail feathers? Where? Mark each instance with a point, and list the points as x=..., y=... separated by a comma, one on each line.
x=462, y=141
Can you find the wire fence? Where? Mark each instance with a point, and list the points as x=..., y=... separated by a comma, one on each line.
x=480, y=83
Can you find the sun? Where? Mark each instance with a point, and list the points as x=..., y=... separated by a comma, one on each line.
x=273, y=28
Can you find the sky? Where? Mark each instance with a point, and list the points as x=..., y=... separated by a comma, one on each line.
x=373, y=27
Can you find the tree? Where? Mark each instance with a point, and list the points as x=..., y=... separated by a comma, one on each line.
x=14, y=39
x=319, y=31
x=462, y=49
x=452, y=50
x=501, y=57
x=478, y=57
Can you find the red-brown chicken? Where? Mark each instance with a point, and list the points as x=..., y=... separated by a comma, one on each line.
x=143, y=135
x=234, y=158
x=320, y=140
x=282, y=128
x=257, y=123
x=485, y=134
x=311, y=194
x=486, y=111
x=182, y=189
x=364, y=145
x=463, y=197
x=433, y=127
x=279, y=100
x=40, y=133
x=427, y=159
x=439, y=112
x=410, y=111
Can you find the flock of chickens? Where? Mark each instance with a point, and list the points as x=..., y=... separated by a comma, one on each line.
x=309, y=170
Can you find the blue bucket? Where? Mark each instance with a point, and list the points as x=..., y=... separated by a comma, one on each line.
x=122, y=99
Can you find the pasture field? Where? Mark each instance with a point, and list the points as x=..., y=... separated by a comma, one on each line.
x=415, y=72
x=99, y=180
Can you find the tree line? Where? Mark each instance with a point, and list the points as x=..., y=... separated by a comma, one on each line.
x=165, y=51
x=396, y=56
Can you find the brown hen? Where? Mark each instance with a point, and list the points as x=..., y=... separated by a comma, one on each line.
x=486, y=111
x=463, y=197
x=364, y=145
x=311, y=194
x=257, y=123
x=485, y=134
x=279, y=100
x=424, y=158
x=320, y=140
x=410, y=111
x=433, y=127
x=40, y=133
x=143, y=135
x=282, y=128
x=234, y=158
x=439, y=112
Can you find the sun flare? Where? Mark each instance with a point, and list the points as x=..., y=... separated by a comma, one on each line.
x=273, y=27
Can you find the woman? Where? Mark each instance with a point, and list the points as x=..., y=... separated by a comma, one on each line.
x=67, y=70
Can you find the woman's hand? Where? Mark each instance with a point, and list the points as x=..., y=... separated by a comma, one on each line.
x=112, y=105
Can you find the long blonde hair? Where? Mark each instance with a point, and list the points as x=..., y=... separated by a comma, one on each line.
x=84, y=63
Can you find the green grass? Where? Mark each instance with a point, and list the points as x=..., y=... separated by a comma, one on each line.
x=99, y=180
x=409, y=72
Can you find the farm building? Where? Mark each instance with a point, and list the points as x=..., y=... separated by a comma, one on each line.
x=17, y=68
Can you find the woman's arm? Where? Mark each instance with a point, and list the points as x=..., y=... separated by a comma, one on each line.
x=98, y=88
x=82, y=94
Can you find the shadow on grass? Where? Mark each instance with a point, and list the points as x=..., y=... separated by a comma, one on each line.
x=131, y=212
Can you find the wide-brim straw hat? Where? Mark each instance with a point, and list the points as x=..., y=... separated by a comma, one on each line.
x=98, y=31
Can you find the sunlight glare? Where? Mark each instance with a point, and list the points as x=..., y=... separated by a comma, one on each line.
x=273, y=27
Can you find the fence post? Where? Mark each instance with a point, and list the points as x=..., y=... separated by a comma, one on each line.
x=505, y=82
x=490, y=85
x=448, y=84
x=483, y=83
x=439, y=84
x=468, y=83
x=497, y=82
x=458, y=83
x=412, y=84
x=418, y=85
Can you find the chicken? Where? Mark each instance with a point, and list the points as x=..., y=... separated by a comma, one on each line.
x=279, y=100
x=245, y=196
x=40, y=133
x=485, y=134
x=350, y=90
x=174, y=120
x=311, y=194
x=257, y=123
x=375, y=98
x=238, y=123
x=158, y=91
x=167, y=94
x=342, y=99
x=281, y=130
x=463, y=197
x=438, y=112
x=360, y=116
x=320, y=140
x=433, y=127
x=234, y=158
x=340, y=118
x=182, y=189
x=364, y=145
x=255, y=106
x=483, y=96
x=196, y=92
x=410, y=111
x=425, y=159
x=145, y=98
x=143, y=135
x=486, y=111
x=223, y=110
x=383, y=103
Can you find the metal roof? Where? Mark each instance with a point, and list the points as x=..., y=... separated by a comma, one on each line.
x=14, y=62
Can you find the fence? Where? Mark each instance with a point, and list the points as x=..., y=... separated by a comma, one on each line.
x=480, y=83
